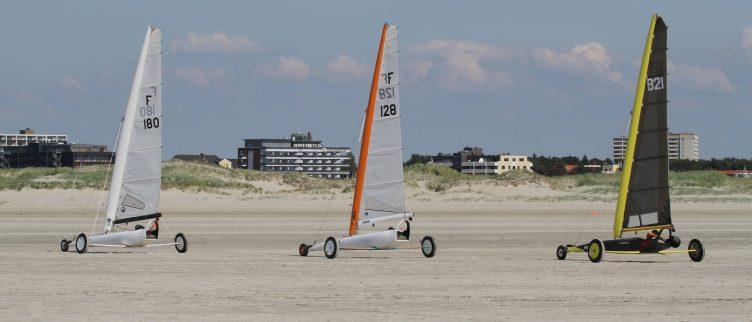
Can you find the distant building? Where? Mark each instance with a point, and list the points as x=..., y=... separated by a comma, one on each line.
x=611, y=168
x=682, y=145
x=509, y=162
x=442, y=159
x=471, y=160
x=737, y=173
x=227, y=164
x=27, y=136
x=208, y=158
x=54, y=155
x=569, y=168
x=299, y=153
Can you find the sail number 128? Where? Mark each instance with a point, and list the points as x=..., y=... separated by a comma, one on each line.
x=388, y=110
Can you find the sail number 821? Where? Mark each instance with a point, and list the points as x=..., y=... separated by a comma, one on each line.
x=388, y=110
x=655, y=83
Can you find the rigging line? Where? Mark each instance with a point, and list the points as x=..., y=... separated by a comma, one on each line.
x=106, y=179
x=356, y=136
x=584, y=219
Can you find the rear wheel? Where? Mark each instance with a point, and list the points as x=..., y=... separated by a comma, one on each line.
x=303, y=250
x=428, y=247
x=64, y=245
x=330, y=248
x=595, y=250
x=561, y=252
x=696, y=251
x=82, y=243
x=181, y=243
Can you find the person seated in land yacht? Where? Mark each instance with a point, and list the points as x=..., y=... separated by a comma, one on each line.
x=153, y=231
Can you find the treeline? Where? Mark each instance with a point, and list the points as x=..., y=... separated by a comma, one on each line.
x=553, y=166
x=712, y=164
x=556, y=166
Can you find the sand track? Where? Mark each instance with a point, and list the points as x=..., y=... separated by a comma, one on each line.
x=497, y=266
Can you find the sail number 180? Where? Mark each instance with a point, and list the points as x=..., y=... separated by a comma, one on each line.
x=655, y=84
x=150, y=123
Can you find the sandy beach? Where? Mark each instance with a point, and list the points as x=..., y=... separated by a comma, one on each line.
x=495, y=261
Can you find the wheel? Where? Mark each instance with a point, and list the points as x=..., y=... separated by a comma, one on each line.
x=428, y=247
x=330, y=248
x=674, y=241
x=64, y=245
x=595, y=250
x=697, y=252
x=561, y=252
x=82, y=243
x=303, y=250
x=181, y=244
x=139, y=226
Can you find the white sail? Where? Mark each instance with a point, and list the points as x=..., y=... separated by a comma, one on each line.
x=383, y=188
x=136, y=178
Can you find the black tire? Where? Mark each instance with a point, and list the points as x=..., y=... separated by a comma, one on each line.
x=428, y=247
x=699, y=252
x=64, y=245
x=82, y=243
x=674, y=241
x=181, y=243
x=330, y=248
x=303, y=250
x=139, y=226
x=561, y=252
x=596, y=250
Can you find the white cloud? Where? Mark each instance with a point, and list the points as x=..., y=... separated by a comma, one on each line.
x=420, y=67
x=590, y=58
x=71, y=83
x=214, y=78
x=288, y=68
x=215, y=43
x=345, y=68
x=747, y=39
x=703, y=78
x=462, y=63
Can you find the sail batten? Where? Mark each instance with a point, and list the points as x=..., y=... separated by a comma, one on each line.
x=644, y=193
x=136, y=180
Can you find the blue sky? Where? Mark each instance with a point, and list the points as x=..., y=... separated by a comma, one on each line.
x=550, y=77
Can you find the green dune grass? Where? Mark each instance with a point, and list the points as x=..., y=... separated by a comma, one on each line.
x=202, y=177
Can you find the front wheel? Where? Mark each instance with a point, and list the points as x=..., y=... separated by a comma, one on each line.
x=596, y=250
x=696, y=251
x=181, y=243
x=64, y=245
x=561, y=252
x=330, y=248
x=428, y=247
x=303, y=250
x=82, y=243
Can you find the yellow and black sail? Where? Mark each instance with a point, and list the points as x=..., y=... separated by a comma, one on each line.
x=644, y=201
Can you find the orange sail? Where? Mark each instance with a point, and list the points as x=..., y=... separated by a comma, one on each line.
x=365, y=141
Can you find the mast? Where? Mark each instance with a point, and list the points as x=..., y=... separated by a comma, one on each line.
x=633, y=129
x=124, y=137
x=363, y=159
